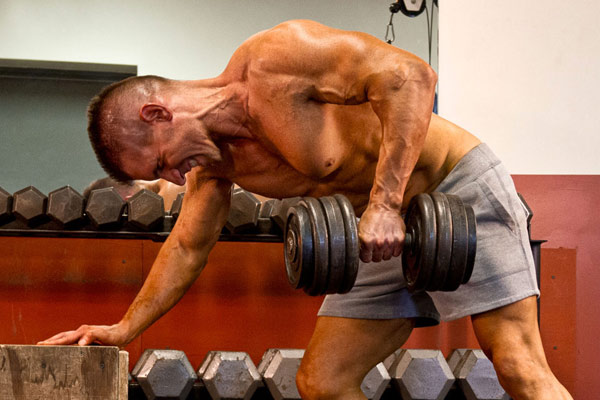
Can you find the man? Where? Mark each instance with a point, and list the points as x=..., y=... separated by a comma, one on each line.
x=306, y=110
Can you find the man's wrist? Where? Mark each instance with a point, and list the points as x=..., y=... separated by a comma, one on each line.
x=124, y=333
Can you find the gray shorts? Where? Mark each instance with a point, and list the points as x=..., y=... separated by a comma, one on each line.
x=504, y=270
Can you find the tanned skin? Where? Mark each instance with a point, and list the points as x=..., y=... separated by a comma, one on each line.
x=307, y=110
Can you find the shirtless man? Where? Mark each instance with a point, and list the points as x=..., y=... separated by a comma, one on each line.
x=306, y=110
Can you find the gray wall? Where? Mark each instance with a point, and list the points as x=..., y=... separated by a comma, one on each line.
x=42, y=125
x=43, y=134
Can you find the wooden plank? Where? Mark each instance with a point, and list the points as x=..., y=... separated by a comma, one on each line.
x=60, y=372
x=123, y=375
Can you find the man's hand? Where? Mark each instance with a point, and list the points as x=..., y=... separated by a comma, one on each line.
x=89, y=334
x=381, y=231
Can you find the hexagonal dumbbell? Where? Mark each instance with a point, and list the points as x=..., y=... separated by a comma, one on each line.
x=265, y=224
x=279, y=211
x=376, y=381
x=105, y=208
x=29, y=206
x=229, y=375
x=65, y=206
x=164, y=374
x=278, y=368
x=421, y=374
x=145, y=210
x=5, y=206
x=475, y=375
x=176, y=206
x=243, y=213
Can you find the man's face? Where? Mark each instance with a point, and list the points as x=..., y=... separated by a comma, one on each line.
x=169, y=155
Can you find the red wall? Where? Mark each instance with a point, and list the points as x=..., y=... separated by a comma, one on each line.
x=243, y=302
x=567, y=215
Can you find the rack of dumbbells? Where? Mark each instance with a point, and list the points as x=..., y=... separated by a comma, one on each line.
x=406, y=374
x=104, y=214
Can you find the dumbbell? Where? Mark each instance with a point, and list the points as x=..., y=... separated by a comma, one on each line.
x=5, y=206
x=475, y=375
x=229, y=375
x=66, y=206
x=164, y=374
x=321, y=245
x=105, y=208
x=243, y=212
x=420, y=374
x=29, y=206
x=176, y=206
x=145, y=210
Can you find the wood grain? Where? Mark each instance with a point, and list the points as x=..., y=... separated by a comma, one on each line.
x=61, y=372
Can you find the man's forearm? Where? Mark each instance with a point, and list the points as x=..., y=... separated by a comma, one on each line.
x=183, y=255
x=173, y=272
x=404, y=110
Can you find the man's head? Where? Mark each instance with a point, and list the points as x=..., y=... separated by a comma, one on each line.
x=142, y=128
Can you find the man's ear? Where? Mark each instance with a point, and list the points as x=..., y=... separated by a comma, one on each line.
x=152, y=112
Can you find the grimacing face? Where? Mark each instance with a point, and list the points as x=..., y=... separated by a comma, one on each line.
x=169, y=157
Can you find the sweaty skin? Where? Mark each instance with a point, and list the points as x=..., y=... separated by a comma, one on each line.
x=300, y=110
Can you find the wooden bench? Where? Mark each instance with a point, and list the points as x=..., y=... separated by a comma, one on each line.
x=63, y=372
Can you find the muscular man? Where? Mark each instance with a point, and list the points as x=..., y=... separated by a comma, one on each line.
x=306, y=110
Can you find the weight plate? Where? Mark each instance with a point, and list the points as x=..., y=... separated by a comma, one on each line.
x=418, y=258
x=459, y=244
x=444, y=241
x=352, y=243
x=472, y=249
x=298, y=247
x=337, y=243
x=318, y=286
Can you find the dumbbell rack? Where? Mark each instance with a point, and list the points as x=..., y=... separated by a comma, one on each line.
x=245, y=210
x=50, y=229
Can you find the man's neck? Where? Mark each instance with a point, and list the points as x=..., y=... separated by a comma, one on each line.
x=221, y=108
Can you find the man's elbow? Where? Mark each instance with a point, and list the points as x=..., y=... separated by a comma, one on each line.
x=425, y=74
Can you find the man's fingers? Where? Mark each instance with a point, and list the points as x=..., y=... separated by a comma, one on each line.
x=366, y=251
x=86, y=339
x=81, y=335
x=387, y=252
x=57, y=336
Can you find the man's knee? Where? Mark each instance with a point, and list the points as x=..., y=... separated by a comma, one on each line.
x=314, y=384
x=519, y=368
x=310, y=386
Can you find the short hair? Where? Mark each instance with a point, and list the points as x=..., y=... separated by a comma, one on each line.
x=107, y=147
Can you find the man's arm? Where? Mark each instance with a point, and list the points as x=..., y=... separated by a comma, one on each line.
x=180, y=261
x=347, y=68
